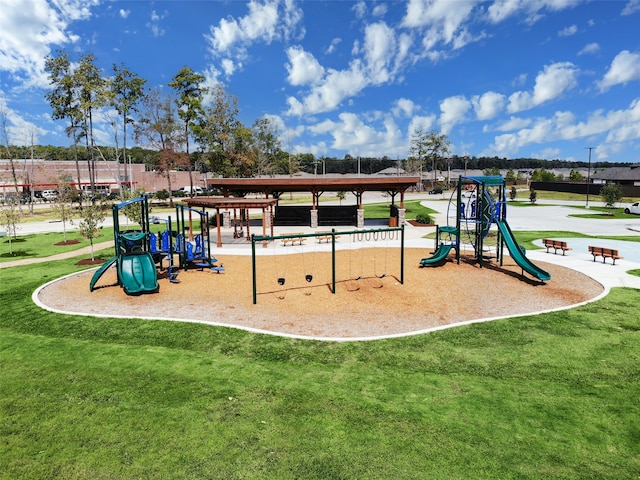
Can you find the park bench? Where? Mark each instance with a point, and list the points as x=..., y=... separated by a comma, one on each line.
x=326, y=237
x=604, y=253
x=556, y=245
x=293, y=240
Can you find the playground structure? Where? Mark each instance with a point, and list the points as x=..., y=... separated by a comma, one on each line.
x=480, y=203
x=135, y=265
x=194, y=251
x=329, y=237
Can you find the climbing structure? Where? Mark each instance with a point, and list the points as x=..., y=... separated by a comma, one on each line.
x=478, y=204
x=136, y=268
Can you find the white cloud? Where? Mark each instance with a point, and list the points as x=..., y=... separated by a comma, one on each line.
x=265, y=22
x=440, y=24
x=360, y=9
x=454, y=110
x=425, y=123
x=303, y=67
x=554, y=81
x=488, y=105
x=380, y=10
x=619, y=125
x=377, y=61
x=28, y=29
x=589, y=49
x=551, y=83
x=632, y=7
x=154, y=23
x=519, y=101
x=404, y=107
x=124, y=13
x=514, y=123
x=19, y=130
x=380, y=52
x=568, y=31
x=358, y=138
x=532, y=10
x=334, y=88
x=332, y=46
x=624, y=68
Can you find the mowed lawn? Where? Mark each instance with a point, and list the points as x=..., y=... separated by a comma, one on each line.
x=547, y=396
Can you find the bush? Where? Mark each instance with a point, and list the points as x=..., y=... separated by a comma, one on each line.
x=424, y=218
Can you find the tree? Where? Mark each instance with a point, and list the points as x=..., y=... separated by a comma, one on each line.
x=89, y=225
x=611, y=194
x=429, y=146
x=533, y=195
x=513, y=194
x=221, y=133
x=188, y=86
x=63, y=98
x=575, y=176
x=266, y=143
x=126, y=90
x=542, y=175
x=6, y=142
x=510, y=177
x=9, y=218
x=62, y=204
x=92, y=95
x=158, y=127
x=133, y=211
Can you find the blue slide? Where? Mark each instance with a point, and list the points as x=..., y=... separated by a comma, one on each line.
x=96, y=276
x=137, y=273
x=439, y=255
x=517, y=254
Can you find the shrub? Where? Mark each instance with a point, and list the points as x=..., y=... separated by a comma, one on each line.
x=424, y=218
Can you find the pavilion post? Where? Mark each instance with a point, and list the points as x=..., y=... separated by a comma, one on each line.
x=246, y=216
x=219, y=244
x=271, y=219
x=264, y=226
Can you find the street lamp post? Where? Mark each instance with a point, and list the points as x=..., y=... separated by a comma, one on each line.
x=588, y=176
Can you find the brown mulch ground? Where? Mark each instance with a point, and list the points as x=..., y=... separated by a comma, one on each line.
x=67, y=242
x=371, y=306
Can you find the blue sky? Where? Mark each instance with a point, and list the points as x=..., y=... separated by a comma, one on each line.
x=510, y=78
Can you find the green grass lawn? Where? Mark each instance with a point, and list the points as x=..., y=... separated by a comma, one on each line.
x=413, y=208
x=546, y=396
x=45, y=244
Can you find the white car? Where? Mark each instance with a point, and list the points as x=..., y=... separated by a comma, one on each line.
x=50, y=195
x=634, y=208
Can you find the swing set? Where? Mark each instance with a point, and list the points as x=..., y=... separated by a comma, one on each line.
x=360, y=236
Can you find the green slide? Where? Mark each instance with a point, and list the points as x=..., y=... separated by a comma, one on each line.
x=517, y=254
x=137, y=273
x=96, y=276
x=439, y=255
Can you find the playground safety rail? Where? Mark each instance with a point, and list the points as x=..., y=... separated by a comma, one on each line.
x=334, y=234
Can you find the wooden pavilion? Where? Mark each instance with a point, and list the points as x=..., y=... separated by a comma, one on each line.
x=273, y=187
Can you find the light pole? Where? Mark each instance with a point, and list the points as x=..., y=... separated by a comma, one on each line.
x=588, y=175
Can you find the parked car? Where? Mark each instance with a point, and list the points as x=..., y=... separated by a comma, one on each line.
x=49, y=195
x=633, y=208
x=435, y=191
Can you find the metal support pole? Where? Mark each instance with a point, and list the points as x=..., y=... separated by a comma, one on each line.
x=253, y=269
x=333, y=261
x=402, y=255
